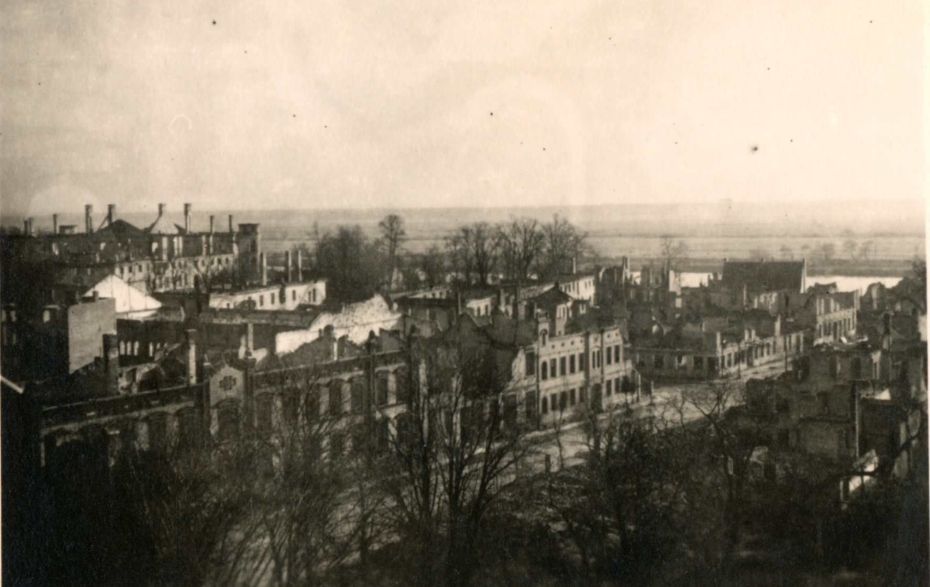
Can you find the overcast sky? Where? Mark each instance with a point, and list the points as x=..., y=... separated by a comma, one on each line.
x=346, y=103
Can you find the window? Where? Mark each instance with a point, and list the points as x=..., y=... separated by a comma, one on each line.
x=261, y=300
x=545, y=405
x=401, y=385
x=228, y=420
x=571, y=364
x=617, y=353
x=581, y=363
x=358, y=395
x=562, y=370
x=571, y=396
x=609, y=357
x=552, y=370
x=610, y=387
x=530, y=363
x=335, y=397
x=529, y=401
x=582, y=395
x=382, y=389
x=293, y=295
x=337, y=444
x=563, y=401
x=545, y=371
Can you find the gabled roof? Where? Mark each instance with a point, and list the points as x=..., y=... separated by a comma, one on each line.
x=128, y=299
x=163, y=226
x=121, y=229
x=764, y=275
x=552, y=297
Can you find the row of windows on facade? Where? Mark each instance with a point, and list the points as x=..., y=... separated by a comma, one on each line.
x=132, y=347
x=567, y=399
x=836, y=328
x=575, y=286
x=132, y=268
x=280, y=296
x=228, y=418
x=336, y=395
x=567, y=365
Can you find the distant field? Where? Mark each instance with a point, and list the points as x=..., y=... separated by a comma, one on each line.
x=712, y=232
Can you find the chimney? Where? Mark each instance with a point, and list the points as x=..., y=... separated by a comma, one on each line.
x=111, y=363
x=289, y=274
x=574, y=265
x=263, y=267
x=88, y=218
x=191, y=335
x=232, y=227
x=54, y=223
x=27, y=226
x=300, y=268
x=161, y=210
x=212, y=220
x=187, y=218
x=111, y=214
x=204, y=247
x=249, y=341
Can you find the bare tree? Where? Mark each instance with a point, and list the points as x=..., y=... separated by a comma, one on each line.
x=729, y=444
x=473, y=250
x=851, y=248
x=671, y=252
x=433, y=265
x=521, y=244
x=454, y=451
x=827, y=251
x=393, y=235
x=562, y=243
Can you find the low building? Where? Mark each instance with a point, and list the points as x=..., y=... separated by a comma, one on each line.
x=720, y=346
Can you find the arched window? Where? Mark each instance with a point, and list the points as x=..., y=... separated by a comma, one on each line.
x=544, y=374
x=358, y=395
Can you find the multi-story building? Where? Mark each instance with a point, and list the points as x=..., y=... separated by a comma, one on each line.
x=161, y=257
x=839, y=408
x=720, y=346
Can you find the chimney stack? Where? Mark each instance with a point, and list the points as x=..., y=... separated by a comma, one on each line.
x=187, y=218
x=247, y=341
x=574, y=265
x=88, y=218
x=111, y=363
x=161, y=210
x=191, y=335
x=111, y=214
x=54, y=223
x=288, y=272
x=300, y=269
x=212, y=219
x=263, y=267
x=232, y=227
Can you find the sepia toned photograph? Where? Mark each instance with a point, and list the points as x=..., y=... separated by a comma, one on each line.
x=463, y=294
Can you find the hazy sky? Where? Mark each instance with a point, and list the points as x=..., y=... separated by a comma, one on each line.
x=248, y=104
